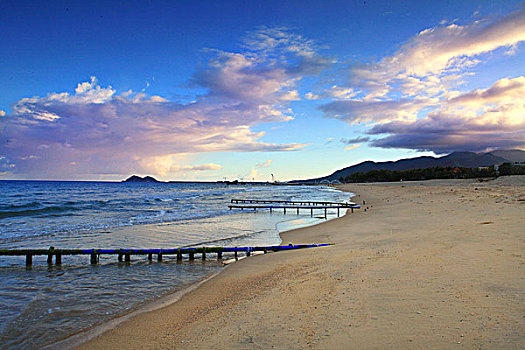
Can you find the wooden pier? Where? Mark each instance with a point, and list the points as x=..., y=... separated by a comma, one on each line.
x=255, y=204
x=125, y=254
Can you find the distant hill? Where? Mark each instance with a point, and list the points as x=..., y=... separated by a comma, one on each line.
x=512, y=155
x=135, y=178
x=455, y=159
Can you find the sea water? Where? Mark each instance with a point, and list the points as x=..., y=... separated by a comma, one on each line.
x=45, y=303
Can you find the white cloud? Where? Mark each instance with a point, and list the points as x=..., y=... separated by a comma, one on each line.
x=416, y=92
x=106, y=133
x=311, y=96
x=342, y=93
x=265, y=164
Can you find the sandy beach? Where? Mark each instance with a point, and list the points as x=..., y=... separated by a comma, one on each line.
x=435, y=264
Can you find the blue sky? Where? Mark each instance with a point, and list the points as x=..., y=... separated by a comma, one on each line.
x=243, y=89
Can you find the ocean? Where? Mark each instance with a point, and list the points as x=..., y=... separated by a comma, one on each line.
x=46, y=303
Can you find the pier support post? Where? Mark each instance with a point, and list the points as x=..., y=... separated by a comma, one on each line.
x=150, y=257
x=159, y=257
x=337, y=212
x=352, y=209
x=29, y=260
x=93, y=259
x=284, y=211
x=127, y=257
x=192, y=256
x=248, y=253
x=120, y=257
x=325, y=213
x=219, y=255
x=58, y=259
x=297, y=211
x=311, y=212
x=203, y=254
x=179, y=255
x=50, y=255
x=236, y=257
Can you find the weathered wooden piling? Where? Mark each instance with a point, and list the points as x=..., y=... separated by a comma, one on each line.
x=50, y=255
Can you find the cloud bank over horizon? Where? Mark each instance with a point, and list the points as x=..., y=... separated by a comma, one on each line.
x=412, y=99
x=94, y=131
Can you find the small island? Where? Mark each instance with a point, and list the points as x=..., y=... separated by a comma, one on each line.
x=135, y=178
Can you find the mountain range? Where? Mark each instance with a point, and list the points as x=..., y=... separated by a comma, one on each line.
x=455, y=159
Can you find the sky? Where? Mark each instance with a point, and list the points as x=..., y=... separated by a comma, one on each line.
x=214, y=90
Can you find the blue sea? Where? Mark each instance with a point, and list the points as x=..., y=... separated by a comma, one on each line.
x=46, y=303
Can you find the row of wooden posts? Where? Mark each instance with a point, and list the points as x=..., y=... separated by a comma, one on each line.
x=125, y=254
x=255, y=204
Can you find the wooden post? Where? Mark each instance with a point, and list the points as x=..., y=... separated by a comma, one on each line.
x=311, y=212
x=29, y=260
x=179, y=255
x=58, y=259
x=248, y=253
x=352, y=209
x=270, y=210
x=337, y=212
x=284, y=211
x=127, y=257
x=192, y=256
x=150, y=257
x=203, y=254
x=120, y=257
x=219, y=255
x=235, y=255
x=93, y=258
x=297, y=211
x=159, y=257
x=325, y=213
x=50, y=255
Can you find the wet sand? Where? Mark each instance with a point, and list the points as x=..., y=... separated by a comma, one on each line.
x=435, y=264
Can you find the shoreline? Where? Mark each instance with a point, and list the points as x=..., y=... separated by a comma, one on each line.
x=84, y=336
x=434, y=263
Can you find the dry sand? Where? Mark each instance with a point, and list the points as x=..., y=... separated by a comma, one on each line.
x=436, y=264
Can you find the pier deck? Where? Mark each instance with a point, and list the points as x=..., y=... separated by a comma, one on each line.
x=255, y=204
x=125, y=254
